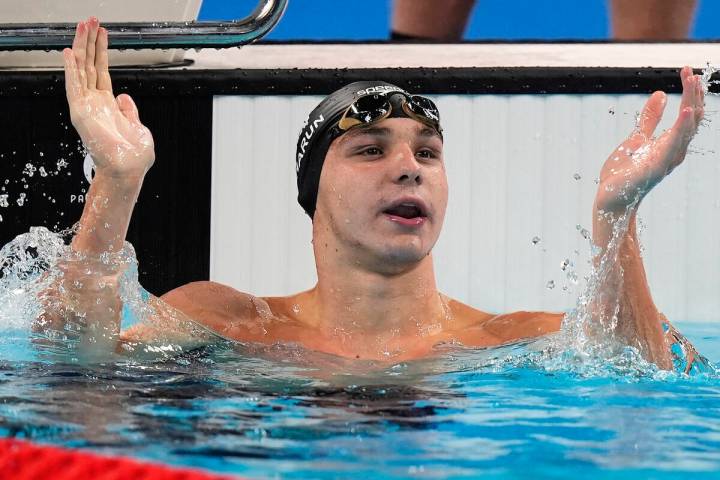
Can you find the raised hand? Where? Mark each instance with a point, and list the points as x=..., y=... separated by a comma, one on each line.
x=110, y=128
x=622, y=301
x=642, y=161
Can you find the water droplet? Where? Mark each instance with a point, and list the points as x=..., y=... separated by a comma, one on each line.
x=21, y=200
x=611, y=111
x=550, y=284
x=29, y=169
x=577, y=176
x=535, y=240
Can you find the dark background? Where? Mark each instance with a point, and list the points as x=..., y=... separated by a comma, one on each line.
x=170, y=227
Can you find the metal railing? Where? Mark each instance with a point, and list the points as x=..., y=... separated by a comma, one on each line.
x=153, y=35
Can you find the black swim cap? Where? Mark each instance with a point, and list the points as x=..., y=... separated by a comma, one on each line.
x=317, y=135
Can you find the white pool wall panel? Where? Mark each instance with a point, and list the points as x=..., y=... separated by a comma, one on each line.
x=511, y=162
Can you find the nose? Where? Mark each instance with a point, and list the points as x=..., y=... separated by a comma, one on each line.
x=407, y=168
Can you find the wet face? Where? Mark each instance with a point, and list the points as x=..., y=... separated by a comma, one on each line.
x=383, y=194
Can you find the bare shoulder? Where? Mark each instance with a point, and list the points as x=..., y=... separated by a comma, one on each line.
x=221, y=308
x=477, y=327
x=517, y=325
x=196, y=299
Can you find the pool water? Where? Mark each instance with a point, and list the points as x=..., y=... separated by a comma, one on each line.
x=281, y=412
x=548, y=408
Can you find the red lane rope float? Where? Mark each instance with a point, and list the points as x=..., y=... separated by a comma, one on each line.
x=20, y=460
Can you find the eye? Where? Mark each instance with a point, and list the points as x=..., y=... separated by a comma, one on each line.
x=427, y=153
x=371, y=152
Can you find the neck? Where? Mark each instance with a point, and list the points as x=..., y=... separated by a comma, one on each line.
x=377, y=315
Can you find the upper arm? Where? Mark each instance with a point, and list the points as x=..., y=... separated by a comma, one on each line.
x=517, y=325
x=220, y=308
x=189, y=316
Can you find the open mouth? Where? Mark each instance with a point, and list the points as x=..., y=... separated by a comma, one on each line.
x=407, y=213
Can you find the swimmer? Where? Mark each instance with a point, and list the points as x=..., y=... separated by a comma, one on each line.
x=371, y=176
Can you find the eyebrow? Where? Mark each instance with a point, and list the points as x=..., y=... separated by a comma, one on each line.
x=374, y=131
x=362, y=130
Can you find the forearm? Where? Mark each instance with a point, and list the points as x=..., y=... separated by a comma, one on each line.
x=105, y=219
x=85, y=297
x=639, y=323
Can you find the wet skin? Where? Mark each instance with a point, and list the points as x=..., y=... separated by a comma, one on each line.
x=376, y=296
x=380, y=209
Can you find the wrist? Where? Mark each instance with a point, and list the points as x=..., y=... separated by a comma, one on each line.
x=116, y=181
x=123, y=162
x=606, y=223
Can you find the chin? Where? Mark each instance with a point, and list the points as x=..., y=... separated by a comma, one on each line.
x=402, y=256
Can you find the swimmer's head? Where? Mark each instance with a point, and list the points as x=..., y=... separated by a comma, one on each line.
x=373, y=182
x=354, y=105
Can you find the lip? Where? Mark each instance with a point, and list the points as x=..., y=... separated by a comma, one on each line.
x=408, y=222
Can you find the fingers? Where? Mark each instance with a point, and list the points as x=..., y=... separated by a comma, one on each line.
x=73, y=88
x=78, y=48
x=680, y=135
x=699, y=100
x=651, y=115
x=128, y=108
x=101, y=61
x=693, y=98
x=90, y=72
x=687, y=94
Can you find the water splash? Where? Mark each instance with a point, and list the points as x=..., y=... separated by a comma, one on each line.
x=36, y=289
x=707, y=81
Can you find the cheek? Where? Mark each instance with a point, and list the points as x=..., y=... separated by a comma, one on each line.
x=345, y=190
x=439, y=187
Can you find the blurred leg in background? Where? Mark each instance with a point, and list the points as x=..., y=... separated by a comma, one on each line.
x=439, y=20
x=446, y=20
x=652, y=19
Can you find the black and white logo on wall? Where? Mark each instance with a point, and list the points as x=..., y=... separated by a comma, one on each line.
x=89, y=167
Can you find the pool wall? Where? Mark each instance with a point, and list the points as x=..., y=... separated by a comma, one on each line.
x=520, y=167
x=521, y=124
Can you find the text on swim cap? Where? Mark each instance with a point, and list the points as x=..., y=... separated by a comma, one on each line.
x=379, y=89
x=310, y=130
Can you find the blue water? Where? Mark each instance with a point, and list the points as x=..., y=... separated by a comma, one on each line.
x=282, y=412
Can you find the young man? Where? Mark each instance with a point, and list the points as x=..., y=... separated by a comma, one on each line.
x=371, y=175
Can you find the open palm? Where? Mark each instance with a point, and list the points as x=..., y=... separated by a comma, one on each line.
x=109, y=127
x=642, y=161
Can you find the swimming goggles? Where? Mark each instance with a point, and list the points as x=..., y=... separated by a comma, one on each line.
x=373, y=108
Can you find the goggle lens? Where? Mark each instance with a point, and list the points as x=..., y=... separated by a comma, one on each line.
x=373, y=108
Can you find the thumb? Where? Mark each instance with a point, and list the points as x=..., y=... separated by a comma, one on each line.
x=650, y=116
x=128, y=108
